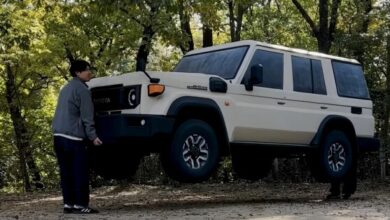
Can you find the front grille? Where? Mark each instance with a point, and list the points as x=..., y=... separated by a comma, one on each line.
x=115, y=97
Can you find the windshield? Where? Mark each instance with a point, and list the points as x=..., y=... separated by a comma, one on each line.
x=224, y=63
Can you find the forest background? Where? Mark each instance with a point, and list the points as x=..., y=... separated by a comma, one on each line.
x=39, y=38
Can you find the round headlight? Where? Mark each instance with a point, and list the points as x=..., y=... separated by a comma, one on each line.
x=132, y=97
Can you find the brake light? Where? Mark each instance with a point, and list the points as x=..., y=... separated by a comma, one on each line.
x=155, y=89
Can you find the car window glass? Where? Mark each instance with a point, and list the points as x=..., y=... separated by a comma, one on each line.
x=272, y=68
x=308, y=75
x=318, y=77
x=224, y=63
x=302, y=77
x=350, y=80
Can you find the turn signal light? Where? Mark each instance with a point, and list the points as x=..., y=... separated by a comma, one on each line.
x=155, y=89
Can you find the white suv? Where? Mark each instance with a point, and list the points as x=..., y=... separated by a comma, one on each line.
x=252, y=100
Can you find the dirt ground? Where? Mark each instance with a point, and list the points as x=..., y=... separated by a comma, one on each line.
x=209, y=201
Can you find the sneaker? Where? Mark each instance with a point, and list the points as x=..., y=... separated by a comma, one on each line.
x=346, y=196
x=84, y=210
x=333, y=196
x=68, y=209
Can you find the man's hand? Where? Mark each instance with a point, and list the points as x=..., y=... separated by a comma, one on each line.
x=97, y=142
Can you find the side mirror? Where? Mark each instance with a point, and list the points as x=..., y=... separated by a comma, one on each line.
x=217, y=85
x=256, y=77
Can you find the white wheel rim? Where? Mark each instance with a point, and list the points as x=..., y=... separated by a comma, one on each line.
x=195, y=151
x=336, y=157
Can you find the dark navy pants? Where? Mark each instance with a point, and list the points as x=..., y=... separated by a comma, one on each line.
x=349, y=183
x=72, y=160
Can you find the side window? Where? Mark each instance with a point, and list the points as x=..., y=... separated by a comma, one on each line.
x=318, y=77
x=308, y=75
x=272, y=68
x=302, y=75
x=350, y=80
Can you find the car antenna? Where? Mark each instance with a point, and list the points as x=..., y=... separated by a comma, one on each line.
x=152, y=80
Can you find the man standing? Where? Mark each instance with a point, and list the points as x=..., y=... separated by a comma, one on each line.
x=349, y=185
x=73, y=127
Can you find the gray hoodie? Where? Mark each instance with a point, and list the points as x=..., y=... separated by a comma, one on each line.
x=74, y=114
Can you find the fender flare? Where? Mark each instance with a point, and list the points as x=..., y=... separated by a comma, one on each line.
x=190, y=101
x=323, y=126
x=199, y=102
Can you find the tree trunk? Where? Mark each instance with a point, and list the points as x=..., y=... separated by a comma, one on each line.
x=366, y=6
x=185, y=29
x=235, y=22
x=232, y=23
x=323, y=44
x=323, y=34
x=267, y=34
x=324, y=31
x=386, y=116
x=19, y=127
x=207, y=36
x=240, y=14
x=144, y=49
x=36, y=176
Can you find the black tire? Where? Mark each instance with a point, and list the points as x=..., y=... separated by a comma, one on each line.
x=334, y=159
x=251, y=164
x=193, y=154
x=113, y=162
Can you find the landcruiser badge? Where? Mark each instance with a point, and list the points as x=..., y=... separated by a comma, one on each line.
x=104, y=100
x=198, y=87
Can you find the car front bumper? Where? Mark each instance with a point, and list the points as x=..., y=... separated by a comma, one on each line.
x=127, y=128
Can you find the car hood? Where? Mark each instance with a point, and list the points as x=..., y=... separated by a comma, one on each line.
x=172, y=79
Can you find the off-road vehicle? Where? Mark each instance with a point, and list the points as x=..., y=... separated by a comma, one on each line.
x=251, y=100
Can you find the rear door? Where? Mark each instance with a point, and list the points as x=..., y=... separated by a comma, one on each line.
x=288, y=106
x=306, y=95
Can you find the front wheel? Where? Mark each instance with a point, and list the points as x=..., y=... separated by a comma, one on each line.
x=335, y=157
x=193, y=154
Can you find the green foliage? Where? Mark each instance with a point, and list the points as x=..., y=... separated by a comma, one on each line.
x=164, y=58
x=278, y=23
x=94, y=31
x=38, y=39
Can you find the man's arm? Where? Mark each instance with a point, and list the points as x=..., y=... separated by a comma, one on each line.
x=87, y=114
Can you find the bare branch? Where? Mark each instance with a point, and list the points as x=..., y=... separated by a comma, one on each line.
x=106, y=42
x=131, y=16
x=277, y=5
x=69, y=55
x=21, y=82
x=306, y=16
x=63, y=73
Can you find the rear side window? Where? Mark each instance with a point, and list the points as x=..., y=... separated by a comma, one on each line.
x=350, y=80
x=272, y=68
x=308, y=75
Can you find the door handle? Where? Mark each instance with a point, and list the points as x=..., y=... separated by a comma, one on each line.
x=324, y=107
x=281, y=103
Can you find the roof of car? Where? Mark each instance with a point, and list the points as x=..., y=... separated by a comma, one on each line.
x=272, y=46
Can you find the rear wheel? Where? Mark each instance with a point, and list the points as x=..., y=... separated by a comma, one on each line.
x=334, y=158
x=193, y=154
